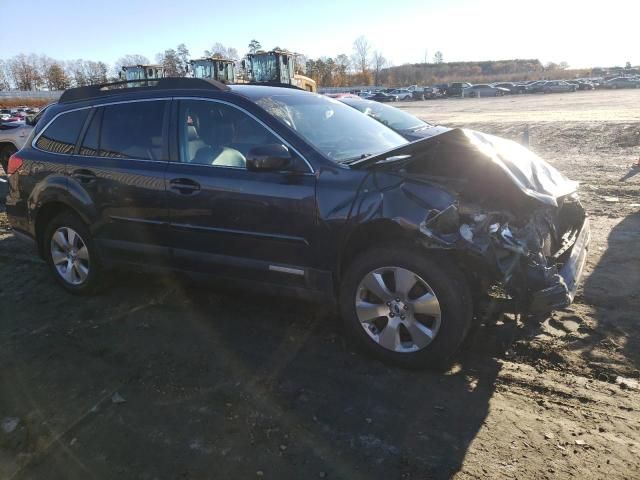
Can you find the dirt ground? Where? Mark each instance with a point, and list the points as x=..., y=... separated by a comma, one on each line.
x=156, y=378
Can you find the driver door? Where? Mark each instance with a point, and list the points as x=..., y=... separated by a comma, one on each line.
x=227, y=220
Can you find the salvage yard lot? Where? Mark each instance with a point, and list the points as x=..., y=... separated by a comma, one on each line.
x=158, y=378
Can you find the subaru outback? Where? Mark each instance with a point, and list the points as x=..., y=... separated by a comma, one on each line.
x=294, y=193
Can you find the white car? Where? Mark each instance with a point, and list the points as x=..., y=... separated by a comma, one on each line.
x=12, y=138
x=402, y=94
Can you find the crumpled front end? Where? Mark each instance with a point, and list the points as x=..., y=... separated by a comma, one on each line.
x=536, y=260
x=517, y=226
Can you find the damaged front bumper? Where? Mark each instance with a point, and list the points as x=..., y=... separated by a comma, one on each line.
x=535, y=261
x=563, y=291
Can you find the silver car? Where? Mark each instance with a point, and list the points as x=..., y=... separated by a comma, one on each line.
x=12, y=138
x=484, y=90
x=558, y=86
x=402, y=94
x=622, y=82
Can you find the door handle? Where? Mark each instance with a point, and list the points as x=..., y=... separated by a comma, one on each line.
x=84, y=176
x=184, y=186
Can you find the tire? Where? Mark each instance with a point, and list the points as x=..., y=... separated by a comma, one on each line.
x=444, y=282
x=86, y=276
x=5, y=153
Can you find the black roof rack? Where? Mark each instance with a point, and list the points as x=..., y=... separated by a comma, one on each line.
x=125, y=86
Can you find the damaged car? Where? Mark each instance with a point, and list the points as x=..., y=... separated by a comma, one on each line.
x=284, y=191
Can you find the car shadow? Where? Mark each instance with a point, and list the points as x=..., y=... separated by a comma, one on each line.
x=613, y=288
x=222, y=379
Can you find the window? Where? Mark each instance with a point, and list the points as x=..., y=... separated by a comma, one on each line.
x=213, y=133
x=89, y=145
x=336, y=130
x=133, y=130
x=61, y=136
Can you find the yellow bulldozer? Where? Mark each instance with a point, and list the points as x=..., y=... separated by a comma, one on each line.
x=276, y=66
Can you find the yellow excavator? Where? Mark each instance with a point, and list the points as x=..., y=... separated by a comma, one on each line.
x=214, y=68
x=276, y=66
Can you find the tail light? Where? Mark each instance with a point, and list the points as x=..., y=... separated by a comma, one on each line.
x=15, y=162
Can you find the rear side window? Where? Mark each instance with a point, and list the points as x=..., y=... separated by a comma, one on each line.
x=131, y=130
x=61, y=136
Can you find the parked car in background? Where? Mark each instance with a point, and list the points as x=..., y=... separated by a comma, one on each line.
x=13, y=135
x=5, y=114
x=582, y=84
x=622, y=82
x=410, y=127
x=341, y=95
x=558, y=86
x=383, y=97
x=484, y=90
x=402, y=94
x=443, y=88
x=455, y=89
x=511, y=87
x=284, y=191
x=536, y=87
x=425, y=93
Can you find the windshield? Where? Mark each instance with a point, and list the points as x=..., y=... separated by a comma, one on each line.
x=339, y=132
x=264, y=68
x=390, y=116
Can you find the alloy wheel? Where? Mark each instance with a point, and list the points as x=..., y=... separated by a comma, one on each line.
x=398, y=309
x=70, y=256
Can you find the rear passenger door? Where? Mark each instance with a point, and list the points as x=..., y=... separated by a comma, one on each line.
x=119, y=168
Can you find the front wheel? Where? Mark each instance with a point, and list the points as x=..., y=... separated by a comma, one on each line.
x=406, y=308
x=71, y=254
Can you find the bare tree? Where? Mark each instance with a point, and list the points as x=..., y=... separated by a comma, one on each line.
x=129, y=59
x=342, y=68
x=170, y=62
x=222, y=51
x=438, y=58
x=379, y=62
x=361, y=49
x=24, y=72
x=5, y=83
x=183, y=59
x=254, y=46
x=55, y=77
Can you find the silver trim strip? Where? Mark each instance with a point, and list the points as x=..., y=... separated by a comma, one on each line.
x=97, y=105
x=256, y=119
x=292, y=271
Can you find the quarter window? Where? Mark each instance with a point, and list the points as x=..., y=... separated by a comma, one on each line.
x=61, y=136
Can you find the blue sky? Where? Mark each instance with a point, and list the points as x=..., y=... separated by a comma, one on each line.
x=581, y=32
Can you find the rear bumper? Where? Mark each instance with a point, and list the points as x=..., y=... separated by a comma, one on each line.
x=563, y=291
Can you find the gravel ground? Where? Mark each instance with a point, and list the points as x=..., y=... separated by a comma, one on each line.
x=156, y=378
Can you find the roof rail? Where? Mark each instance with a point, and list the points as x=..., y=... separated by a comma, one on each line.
x=126, y=86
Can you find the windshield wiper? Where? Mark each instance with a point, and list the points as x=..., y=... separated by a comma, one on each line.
x=349, y=161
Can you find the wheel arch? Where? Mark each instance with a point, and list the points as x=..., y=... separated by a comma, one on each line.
x=46, y=202
x=377, y=232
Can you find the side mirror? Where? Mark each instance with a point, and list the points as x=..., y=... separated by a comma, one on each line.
x=30, y=120
x=268, y=158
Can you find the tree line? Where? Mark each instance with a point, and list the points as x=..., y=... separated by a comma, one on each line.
x=364, y=65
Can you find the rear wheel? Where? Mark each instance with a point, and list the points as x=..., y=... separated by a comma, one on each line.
x=5, y=153
x=71, y=254
x=406, y=308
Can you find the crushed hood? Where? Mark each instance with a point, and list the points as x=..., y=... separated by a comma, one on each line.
x=455, y=151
